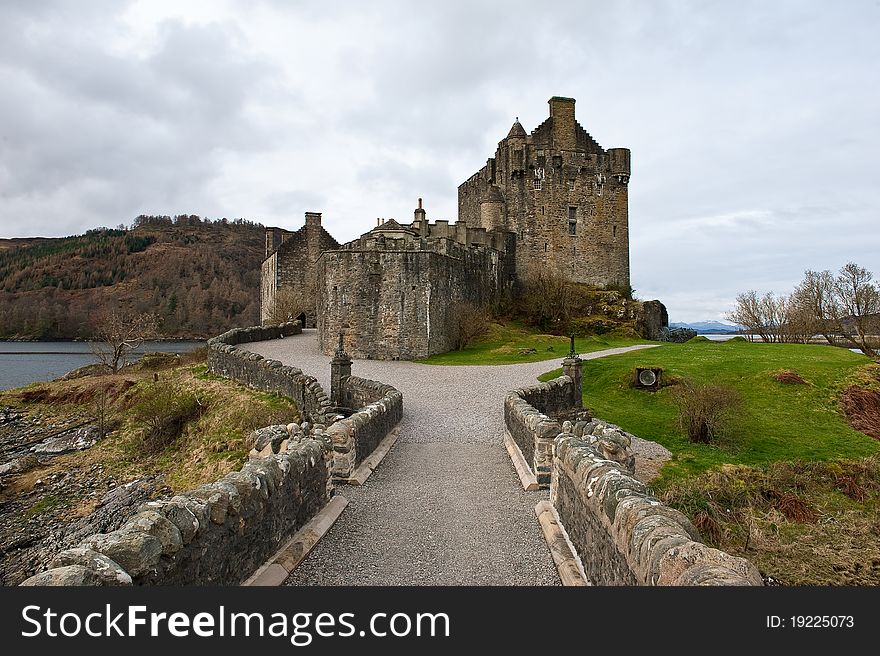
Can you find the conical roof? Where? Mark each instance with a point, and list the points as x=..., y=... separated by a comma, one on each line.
x=516, y=130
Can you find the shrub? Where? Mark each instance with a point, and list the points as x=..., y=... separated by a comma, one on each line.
x=704, y=410
x=163, y=410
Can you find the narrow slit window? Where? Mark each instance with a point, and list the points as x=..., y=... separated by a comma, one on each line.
x=572, y=220
x=614, y=231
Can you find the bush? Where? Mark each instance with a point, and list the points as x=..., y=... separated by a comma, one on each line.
x=705, y=410
x=164, y=409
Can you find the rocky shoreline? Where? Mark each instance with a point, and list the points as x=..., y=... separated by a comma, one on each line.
x=46, y=504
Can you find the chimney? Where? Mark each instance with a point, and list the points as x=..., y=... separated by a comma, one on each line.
x=564, y=135
x=313, y=219
x=421, y=221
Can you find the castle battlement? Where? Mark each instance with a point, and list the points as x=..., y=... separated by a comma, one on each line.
x=442, y=236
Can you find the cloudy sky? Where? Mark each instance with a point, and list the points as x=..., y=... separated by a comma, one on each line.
x=753, y=125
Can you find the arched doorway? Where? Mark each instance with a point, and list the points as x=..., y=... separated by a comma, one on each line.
x=302, y=319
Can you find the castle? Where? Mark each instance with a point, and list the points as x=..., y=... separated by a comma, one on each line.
x=551, y=201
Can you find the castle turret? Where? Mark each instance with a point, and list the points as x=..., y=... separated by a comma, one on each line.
x=492, y=208
x=619, y=162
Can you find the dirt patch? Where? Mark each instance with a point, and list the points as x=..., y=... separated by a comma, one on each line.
x=862, y=409
x=789, y=377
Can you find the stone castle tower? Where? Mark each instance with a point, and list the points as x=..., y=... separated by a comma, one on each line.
x=562, y=194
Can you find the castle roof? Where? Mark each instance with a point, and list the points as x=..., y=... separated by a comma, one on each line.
x=391, y=226
x=516, y=130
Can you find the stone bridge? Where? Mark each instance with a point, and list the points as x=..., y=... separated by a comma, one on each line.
x=445, y=507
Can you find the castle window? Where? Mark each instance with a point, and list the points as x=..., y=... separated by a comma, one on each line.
x=538, y=183
x=572, y=220
x=614, y=231
x=521, y=235
x=542, y=209
x=571, y=185
x=545, y=246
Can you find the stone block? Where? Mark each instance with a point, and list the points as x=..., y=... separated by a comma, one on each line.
x=137, y=552
x=69, y=575
x=681, y=558
x=108, y=571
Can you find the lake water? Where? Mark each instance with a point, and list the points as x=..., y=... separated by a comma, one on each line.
x=23, y=363
x=757, y=339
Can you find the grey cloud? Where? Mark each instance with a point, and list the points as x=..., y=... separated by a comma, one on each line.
x=752, y=124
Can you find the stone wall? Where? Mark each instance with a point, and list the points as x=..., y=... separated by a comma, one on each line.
x=623, y=535
x=393, y=301
x=526, y=413
x=217, y=534
x=355, y=437
x=253, y=370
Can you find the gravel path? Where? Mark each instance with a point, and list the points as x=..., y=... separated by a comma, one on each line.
x=445, y=507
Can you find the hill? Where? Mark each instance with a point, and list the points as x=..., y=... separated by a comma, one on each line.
x=200, y=277
x=708, y=327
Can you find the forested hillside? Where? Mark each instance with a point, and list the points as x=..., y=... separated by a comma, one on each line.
x=199, y=277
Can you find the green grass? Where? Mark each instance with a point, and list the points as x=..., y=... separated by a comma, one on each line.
x=505, y=341
x=778, y=423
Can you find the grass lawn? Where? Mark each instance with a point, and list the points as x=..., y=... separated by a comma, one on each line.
x=508, y=343
x=779, y=422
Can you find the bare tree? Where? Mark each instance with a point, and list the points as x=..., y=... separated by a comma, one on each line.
x=800, y=323
x=746, y=312
x=465, y=322
x=815, y=296
x=858, y=305
x=761, y=315
x=117, y=333
x=291, y=302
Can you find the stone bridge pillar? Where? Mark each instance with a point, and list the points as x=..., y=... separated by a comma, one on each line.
x=340, y=370
x=571, y=367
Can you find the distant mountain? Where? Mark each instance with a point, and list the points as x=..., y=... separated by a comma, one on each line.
x=708, y=327
x=200, y=277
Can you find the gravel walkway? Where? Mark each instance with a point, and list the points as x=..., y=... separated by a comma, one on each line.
x=445, y=507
